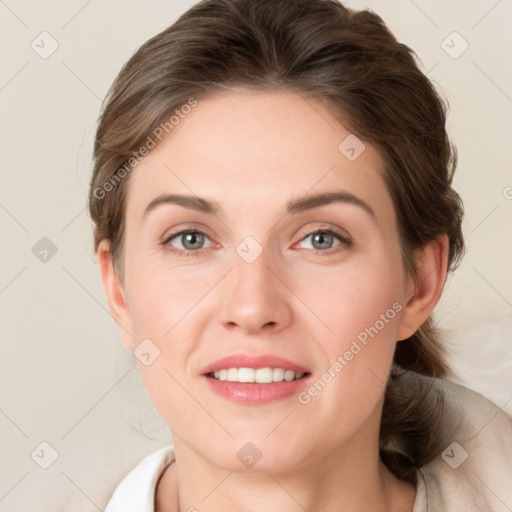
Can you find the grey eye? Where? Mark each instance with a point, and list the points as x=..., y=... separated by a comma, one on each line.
x=192, y=240
x=322, y=240
x=188, y=240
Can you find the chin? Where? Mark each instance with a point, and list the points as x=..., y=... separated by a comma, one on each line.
x=255, y=454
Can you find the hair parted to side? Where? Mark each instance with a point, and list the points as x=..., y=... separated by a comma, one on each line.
x=351, y=62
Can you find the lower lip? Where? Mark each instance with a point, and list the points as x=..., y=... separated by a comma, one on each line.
x=256, y=394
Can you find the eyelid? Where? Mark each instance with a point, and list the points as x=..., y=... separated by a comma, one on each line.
x=183, y=231
x=186, y=228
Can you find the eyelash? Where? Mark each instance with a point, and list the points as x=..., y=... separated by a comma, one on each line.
x=345, y=242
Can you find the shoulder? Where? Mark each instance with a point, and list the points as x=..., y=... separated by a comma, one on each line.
x=136, y=492
x=474, y=470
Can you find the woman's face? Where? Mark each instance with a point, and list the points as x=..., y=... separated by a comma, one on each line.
x=274, y=273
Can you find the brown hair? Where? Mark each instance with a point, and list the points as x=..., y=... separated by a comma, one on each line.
x=344, y=58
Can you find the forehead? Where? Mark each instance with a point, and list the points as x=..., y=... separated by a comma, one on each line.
x=242, y=148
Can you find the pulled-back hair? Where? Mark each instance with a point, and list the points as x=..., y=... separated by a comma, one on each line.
x=347, y=60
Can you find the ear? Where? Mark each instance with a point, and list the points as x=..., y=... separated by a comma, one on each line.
x=425, y=288
x=115, y=294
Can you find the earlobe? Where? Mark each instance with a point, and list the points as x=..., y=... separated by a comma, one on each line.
x=428, y=284
x=115, y=294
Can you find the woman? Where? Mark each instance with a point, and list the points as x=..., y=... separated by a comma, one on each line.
x=274, y=221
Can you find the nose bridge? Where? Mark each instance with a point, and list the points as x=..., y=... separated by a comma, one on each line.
x=252, y=266
x=253, y=296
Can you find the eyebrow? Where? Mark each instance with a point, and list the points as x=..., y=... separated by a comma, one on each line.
x=294, y=206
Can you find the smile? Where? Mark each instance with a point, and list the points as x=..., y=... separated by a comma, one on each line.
x=255, y=379
x=260, y=375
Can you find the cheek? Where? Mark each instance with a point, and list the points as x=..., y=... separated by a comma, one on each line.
x=184, y=416
x=354, y=298
x=162, y=298
x=361, y=305
x=165, y=308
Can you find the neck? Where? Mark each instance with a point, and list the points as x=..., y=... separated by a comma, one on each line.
x=351, y=479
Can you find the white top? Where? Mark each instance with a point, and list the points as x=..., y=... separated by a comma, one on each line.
x=472, y=474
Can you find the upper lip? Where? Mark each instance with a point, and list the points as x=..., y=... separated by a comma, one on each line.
x=247, y=361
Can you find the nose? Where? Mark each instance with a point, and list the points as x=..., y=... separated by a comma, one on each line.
x=255, y=298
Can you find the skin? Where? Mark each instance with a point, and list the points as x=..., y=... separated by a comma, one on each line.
x=252, y=152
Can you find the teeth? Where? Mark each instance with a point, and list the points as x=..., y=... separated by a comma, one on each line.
x=260, y=375
x=289, y=375
x=232, y=374
x=242, y=374
x=277, y=374
x=263, y=375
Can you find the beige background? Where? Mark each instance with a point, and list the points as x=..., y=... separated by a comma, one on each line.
x=65, y=377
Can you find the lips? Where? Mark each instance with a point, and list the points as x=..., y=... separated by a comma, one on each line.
x=255, y=362
x=254, y=379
